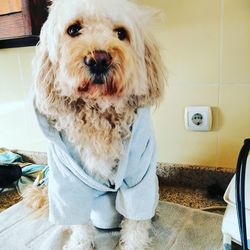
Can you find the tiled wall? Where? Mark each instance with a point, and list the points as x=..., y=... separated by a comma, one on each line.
x=206, y=47
x=18, y=127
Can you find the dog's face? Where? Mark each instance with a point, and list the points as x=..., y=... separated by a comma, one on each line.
x=99, y=48
x=97, y=57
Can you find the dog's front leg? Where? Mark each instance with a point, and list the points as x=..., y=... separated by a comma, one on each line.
x=81, y=238
x=135, y=235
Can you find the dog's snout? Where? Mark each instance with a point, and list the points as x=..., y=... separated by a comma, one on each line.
x=98, y=61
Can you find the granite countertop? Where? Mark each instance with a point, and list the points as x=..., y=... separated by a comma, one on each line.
x=190, y=197
x=194, y=186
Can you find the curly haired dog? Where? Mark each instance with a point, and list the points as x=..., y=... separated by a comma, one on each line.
x=97, y=71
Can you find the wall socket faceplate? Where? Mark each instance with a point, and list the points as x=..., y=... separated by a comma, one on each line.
x=198, y=118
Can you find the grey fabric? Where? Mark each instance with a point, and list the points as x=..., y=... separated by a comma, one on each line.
x=176, y=228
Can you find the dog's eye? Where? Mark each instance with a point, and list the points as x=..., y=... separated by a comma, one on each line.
x=73, y=30
x=122, y=34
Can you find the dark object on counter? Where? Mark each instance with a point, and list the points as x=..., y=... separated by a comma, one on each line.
x=9, y=173
x=215, y=191
x=240, y=192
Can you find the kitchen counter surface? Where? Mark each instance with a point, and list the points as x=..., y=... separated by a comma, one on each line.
x=183, y=184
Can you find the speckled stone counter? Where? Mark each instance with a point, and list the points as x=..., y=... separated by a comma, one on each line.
x=8, y=198
x=193, y=176
x=190, y=197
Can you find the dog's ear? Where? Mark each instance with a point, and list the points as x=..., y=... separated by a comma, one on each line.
x=155, y=71
x=44, y=73
x=149, y=19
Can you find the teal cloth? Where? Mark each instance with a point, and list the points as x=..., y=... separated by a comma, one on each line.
x=29, y=172
x=10, y=157
x=75, y=197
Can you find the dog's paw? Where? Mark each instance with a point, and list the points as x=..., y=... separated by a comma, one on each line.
x=79, y=245
x=81, y=238
x=134, y=235
x=133, y=245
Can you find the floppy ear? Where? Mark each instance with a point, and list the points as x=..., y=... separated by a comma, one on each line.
x=155, y=72
x=44, y=72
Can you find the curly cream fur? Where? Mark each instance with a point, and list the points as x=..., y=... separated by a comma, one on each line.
x=82, y=237
x=135, y=235
x=98, y=120
x=37, y=199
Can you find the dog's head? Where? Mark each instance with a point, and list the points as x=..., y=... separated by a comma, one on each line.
x=98, y=49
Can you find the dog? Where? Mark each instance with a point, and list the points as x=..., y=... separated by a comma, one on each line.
x=97, y=71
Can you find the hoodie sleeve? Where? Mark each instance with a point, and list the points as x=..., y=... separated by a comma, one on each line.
x=138, y=196
x=70, y=199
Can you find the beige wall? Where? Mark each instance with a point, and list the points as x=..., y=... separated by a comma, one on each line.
x=18, y=127
x=206, y=47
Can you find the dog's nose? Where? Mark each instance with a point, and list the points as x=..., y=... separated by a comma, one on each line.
x=98, y=61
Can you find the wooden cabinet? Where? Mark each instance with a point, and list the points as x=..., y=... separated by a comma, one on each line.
x=21, y=21
x=14, y=19
x=10, y=6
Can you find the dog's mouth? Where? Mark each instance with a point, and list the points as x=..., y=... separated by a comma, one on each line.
x=83, y=89
x=99, y=79
x=101, y=85
x=96, y=80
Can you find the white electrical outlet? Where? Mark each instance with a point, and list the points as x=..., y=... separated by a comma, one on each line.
x=198, y=118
